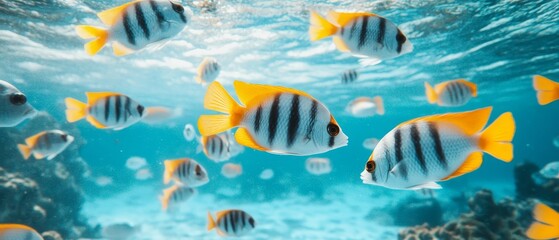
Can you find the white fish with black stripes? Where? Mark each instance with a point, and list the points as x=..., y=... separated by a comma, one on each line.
x=14, y=107
x=274, y=119
x=136, y=25
x=420, y=152
x=175, y=195
x=46, y=144
x=318, y=166
x=185, y=172
x=451, y=93
x=208, y=71
x=231, y=223
x=365, y=35
x=349, y=76
x=220, y=147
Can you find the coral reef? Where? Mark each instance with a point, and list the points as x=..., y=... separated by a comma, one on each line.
x=43, y=194
x=528, y=187
x=423, y=210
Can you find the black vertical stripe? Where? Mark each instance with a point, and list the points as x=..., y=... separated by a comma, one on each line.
x=294, y=118
x=388, y=160
x=158, y=14
x=451, y=92
x=233, y=216
x=331, y=141
x=258, y=119
x=251, y=222
x=381, y=31
x=400, y=39
x=313, y=112
x=399, y=155
x=352, y=30
x=107, y=108
x=212, y=144
x=126, y=108
x=141, y=19
x=273, y=119
x=363, y=33
x=220, y=146
x=434, y=132
x=128, y=28
x=225, y=223
x=416, y=140
x=187, y=168
x=460, y=87
x=118, y=108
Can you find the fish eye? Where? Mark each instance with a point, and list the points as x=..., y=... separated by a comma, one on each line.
x=198, y=170
x=18, y=99
x=64, y=137
x=333, y=129
x=371, y=165
x=178, y=8
x=140, y=109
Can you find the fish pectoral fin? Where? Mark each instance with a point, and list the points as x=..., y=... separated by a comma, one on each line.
x=340, y=44
x=121, y=50
x=110, y=16
x=243, y=137
x=428, y=185
x=94, y=122
x=342, y=18
x=471, y=163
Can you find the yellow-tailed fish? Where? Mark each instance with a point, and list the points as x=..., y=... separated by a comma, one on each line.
x=420, y=152
x=548, y=91
x=349, y=76
x=362, y=34
x=186, y=172
x=366, y=107
x=318, y=166
x=175, y=195
x=232, y=223
x=14, y=107
x=208, y=71
x=45, y=144
x=546, y=224
x=274, y=119
x=451, y=93
x=136, y=25
x=231, y=170
x=107, y=110
x=18, y=232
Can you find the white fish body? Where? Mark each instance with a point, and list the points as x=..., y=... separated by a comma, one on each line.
x=14, y=107
x=234, y=223
x=185, y=172
x=45, y=144
x=208, y=70
x=366, y=107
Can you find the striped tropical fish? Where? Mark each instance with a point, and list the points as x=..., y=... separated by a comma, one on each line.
x=45, y=144
x=186, y=172
x=208, y=70
x=548, y=91
x=231, y=223
x=365, y=35
x=451, y=93
x=18, y=232
x=220, y=147
x=175, y=195
x=136, y=25
x=546, y=223
x=318, y=166
x=418, y=153
x=349, y=76
x=366, y=107
x=273, y=119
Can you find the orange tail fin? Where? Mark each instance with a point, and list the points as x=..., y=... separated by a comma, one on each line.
x=211, y=222
x=99, y=36
x=546, y=225
x=496, y=139
x=431, y=94
x=24, y=150
x=320, y=27
x=75, y=110
x=380, y=105
x=218, y=99
x=548, y=91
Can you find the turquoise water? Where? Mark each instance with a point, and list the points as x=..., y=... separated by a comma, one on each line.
x=499, y=45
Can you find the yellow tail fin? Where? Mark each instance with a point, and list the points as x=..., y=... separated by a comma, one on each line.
x=24, y=150
x=75, y=110
x=167, y=195
x=380, y=105
x=496, y=139
x=320, y=27
x=99, y=35
x=548, y=91
x=547, y=224
x=211, y=222
x=431, y=94
x=218, y=99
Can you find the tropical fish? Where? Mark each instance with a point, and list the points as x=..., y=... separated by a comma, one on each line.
x=14, y=107
x=143, y=174
x=231, y=170
x=370, y=143
x=208, y=70
x=550, y=170
x=175, y=195
x=233, y=223
x=349, y=76
x=45, y=144
x=220, y=147
x=185, y=171
x=18, y=232
x=135, y=26
x=420, y=152
x=318, y=166
x=365, y=107
x=546, y=224
x=135, y=163
x=189, y=133
x=548, y=91
x=106, y=110
x=267, y=174
x=274, y=119
x=120, y=231
x=362, y=34
x=451, y=93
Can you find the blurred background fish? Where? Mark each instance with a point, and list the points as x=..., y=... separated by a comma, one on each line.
x=14, y=107
x=366, y=107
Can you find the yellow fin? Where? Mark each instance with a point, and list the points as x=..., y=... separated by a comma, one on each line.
x=320, y=27
x=31, y=141
x=24, y=150
x=243, y=137
x=110, y=17
x=496, y=139
x=342, y=18
x=167, y=193
x=75, y=109
x=100, y=38
x=340, y=44
x=94, y=122
x=471, y=163
x=211, y=222
x=170, y=167
x=379, y=104
x=38, y=155
x=213, y=124
x=430, y=93
x=470, y=122
x=121, y=50
x=218, y=99
x=249, y=91
x=441, y=86
x=548, y=91
x=93, y=97
x=471, y=85
x=547, y=225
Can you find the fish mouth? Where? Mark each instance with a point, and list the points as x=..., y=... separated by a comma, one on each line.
x=30, y=113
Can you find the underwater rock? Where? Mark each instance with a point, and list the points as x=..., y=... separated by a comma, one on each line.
x=526, y=187
x=423, y=210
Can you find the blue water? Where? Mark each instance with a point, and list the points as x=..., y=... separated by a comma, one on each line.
x=499, y=45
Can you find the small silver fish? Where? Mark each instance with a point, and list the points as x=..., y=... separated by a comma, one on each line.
x=451, y=93
x=349, y=76
x=175, y=195
x=186, y=172
x=231, y=223
x=45, y=144
x=366, y=107
x=318, y=166
x=208, y=71
x=14, y=107
x=551, y=170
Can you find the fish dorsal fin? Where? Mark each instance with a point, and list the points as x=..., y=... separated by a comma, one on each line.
x=342, y=18
x=248, y=91
x=428, y=185
x=220, y=214
x=93, y=97
x=471, y=85
x=340, y=44
x=472, y=163
x=94, y=122
x=243, y=137
x=110, y=16
x=470, y=122
x=121, y=50
x=31, y=141
x=439, y=87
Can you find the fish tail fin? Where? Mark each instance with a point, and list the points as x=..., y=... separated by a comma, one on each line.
x=320, y=27
x=75, y=110
x=218, y=99
x=24, y=150
x=380, y=105
x=99, y=36
x=496, y=139
x=211, y=222
x=548, y=91
x=166, y=197
x=547, y=224
x=431, y=94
